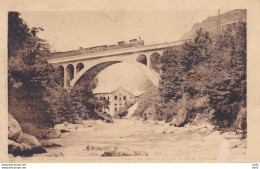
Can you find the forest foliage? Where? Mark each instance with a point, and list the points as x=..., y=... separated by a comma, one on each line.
x=35, y=95
x=204, y=76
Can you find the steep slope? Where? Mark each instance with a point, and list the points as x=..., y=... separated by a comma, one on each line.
x=210, y=24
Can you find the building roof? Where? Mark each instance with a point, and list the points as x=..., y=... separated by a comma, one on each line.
x=138, y=93
x=120, y=88
x=100, y=93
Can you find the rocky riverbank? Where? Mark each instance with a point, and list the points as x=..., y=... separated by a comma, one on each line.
x=127, y=137
x=132, y=137
x=26, y=145
x=19, y=143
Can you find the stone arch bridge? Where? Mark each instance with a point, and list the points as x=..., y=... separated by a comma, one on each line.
x=75, y=67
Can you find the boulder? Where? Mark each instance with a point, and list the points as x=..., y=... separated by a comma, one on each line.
x=204, y=127
x=49, y=143
x=88, y=122
x=124, y=153
x=63, y=127
x=151, y=122
x=29, y=140
x=22, y=149
x=115, y=153
x=20, y=143
x=52, y=134
x=16, y=147
x=64, y=131
x=59, y=154
x=180, y=118
x=14, y=129
x=169, y=130
x=109, y=121
x=150, y=113
x=30, y=128
x=91, y=147
x=93, y=154
x=165, y=129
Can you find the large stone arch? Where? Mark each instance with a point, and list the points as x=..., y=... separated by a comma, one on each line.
x=91, y=73
x=92, y=70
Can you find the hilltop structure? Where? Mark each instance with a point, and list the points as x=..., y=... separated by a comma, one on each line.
x=118, y=99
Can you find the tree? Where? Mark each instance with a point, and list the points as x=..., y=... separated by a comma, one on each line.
x=210, y=70
x=28, y=71
x=228, y=94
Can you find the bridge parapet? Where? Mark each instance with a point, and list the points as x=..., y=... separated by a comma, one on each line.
x=95, y=49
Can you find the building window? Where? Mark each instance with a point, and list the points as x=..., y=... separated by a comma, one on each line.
x=119, y=98
x=115, y=98
x=115, y=109
x=120, y=104
x=124, y=98
x=115, y=104
x=107, y=97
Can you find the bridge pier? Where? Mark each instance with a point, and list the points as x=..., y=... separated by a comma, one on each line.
x=65, y=77
x=148, y=62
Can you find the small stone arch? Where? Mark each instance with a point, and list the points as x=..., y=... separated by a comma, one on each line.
x=155, y=61
x=142, y=59
x=79, y=67
x=70, y=72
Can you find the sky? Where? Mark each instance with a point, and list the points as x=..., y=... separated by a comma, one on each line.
x=123, y=75
x=66, y=31
x=69, y=30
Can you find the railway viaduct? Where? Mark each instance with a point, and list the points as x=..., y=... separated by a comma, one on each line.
x=74, y=65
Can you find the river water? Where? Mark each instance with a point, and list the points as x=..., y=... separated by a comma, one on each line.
x=132, y=137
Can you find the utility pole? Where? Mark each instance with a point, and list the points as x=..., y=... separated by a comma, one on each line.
x=218, y=22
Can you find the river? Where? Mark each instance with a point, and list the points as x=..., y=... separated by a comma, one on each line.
x=132, y=137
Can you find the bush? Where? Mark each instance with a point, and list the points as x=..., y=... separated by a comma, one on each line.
x=148, y=99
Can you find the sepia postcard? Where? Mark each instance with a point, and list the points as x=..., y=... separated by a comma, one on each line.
x=139, y=81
